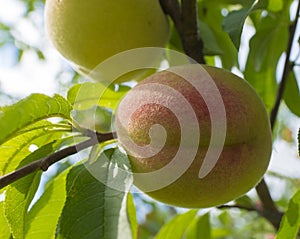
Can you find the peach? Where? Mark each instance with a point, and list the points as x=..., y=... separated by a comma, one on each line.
x=87, y=33
x=226, y=162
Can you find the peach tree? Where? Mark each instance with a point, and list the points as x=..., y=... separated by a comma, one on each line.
x=66, y=170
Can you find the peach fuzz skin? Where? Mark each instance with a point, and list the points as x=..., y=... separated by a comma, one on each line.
x=244, y=157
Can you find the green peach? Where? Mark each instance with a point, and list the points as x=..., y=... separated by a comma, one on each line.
x=244, y=157
x=88, y=32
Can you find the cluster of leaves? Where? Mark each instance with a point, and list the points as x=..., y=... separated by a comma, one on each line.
x=45, y=123
x=74, y=204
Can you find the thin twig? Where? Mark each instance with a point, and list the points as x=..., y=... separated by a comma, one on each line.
x=247, y=208
x=46, y=162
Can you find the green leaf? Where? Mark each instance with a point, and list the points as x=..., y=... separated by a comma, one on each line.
x=93, y=209
x=30, y=110
x=131, y=212
x=176, y=228
x=233, y=23
x=20, y=194
x=290, y=222
x=155, y=218
x=43, y=217
x=17, y=200
x=199, y=228
x=86, y=95
x=225, y=218
x=244, y=201
x=275, y=5
x=292, y=94
x=246, y=3
x=211, y=46
x=174, y=40
x=221, y=233
x=40, y=54
x=4, y=228
x=266, y=47
x=210, y=13
x=97, y=118
x=17, y=148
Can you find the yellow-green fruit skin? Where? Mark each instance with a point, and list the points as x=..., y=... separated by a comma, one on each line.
x=247, y=148
x=86, y=32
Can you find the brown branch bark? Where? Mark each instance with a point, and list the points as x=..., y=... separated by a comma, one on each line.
x=185, y=18
x=192, y=43
x=46, y=162
x=268, y=210
x=250, y=209
x=172, y=8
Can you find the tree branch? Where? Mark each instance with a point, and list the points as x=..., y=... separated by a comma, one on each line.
x=172, y=8
x=265, y=196
x=270, y=211
x=271, y=216
x=287, y=68
x=46, y=162
x=185, y=19
x=192, y=43
x=250, y=209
